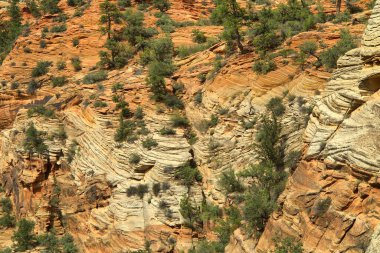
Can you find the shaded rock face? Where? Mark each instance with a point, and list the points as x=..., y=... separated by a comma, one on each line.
x=331, y=201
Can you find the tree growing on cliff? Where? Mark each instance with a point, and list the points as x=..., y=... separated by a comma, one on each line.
x=110, y=14
x=162, y=5
x=34, y=142
x=230, y=14
x=15, y=13
x=24, y=236
x=50, y=6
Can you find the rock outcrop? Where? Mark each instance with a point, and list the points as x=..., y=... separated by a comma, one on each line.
x=331, y=201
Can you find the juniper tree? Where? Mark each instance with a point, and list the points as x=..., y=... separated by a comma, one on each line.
x=110, y=13
x=230, y=14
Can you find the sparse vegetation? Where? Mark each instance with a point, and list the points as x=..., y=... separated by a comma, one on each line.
x=134, y=158
x=76, y=62
x=40, y=110
x=24, y=236
x=7, y=220
x=34, y=142
x=95, y=77
x=149, y=143
x=179, y=121
x=58, y=81
x=330, y=57
x=41, y=69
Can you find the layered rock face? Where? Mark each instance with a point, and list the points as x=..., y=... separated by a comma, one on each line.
x=331, y=201
x=93, y=198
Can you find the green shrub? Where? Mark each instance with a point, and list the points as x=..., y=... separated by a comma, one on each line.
x=263, y=67
x=41, y=69
x=309, y=47
x=76, y=62
x=49, y=241
x=184, y=51
x=40, y=110
x=139, y=113
x=134, y=158
x=188, y=175
x=190, y=213
x=42, y=43
x=172, y=101
x=32, y=87
x=7, y=220
x=179, y=121
x=50, y=6
x=58, y=81
x=198, y=97
x=125, y=130
x=68, y=245
x=268, y=147
x=162, y=5
x=99, y=104
x=117, y=56
x=116, y=87
x=95, y=77
x=260, y=200
x=293, y=159
x=275, y=106
x=198, y=36
x=330, y=56
x=149, y=143
x=75, y=42
x=58, y=28
x=135, y=32
x=33, y=141
x=61, y=65
x=167, y=131
x=124, y=3
x=230, y=183
x=342, y=17
x=33, y=8
x=24, y=236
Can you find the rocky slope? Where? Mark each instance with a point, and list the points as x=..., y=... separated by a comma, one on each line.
x=340, y=144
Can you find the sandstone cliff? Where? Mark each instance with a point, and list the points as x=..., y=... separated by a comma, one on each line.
x=340, y=160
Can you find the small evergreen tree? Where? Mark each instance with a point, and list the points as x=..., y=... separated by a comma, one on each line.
x=34, y=141
x=15, y=13
x=162, y=5
x=230, y=14
x=24, y=236
x=109, y=14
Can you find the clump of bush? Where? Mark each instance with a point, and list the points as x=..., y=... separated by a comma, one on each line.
x=179, y=121
x=134, y=158
x=41, y=69
x=276, y=106
x=139, y=190
x=330, y=57
x=7, y=220
x=40, y=110
x=95, y=77
x=263, y=67
x=58, y=81
x=76, y=62
x=198, y=36
x=58, y=28
x=167, y=131
x=149, y=143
